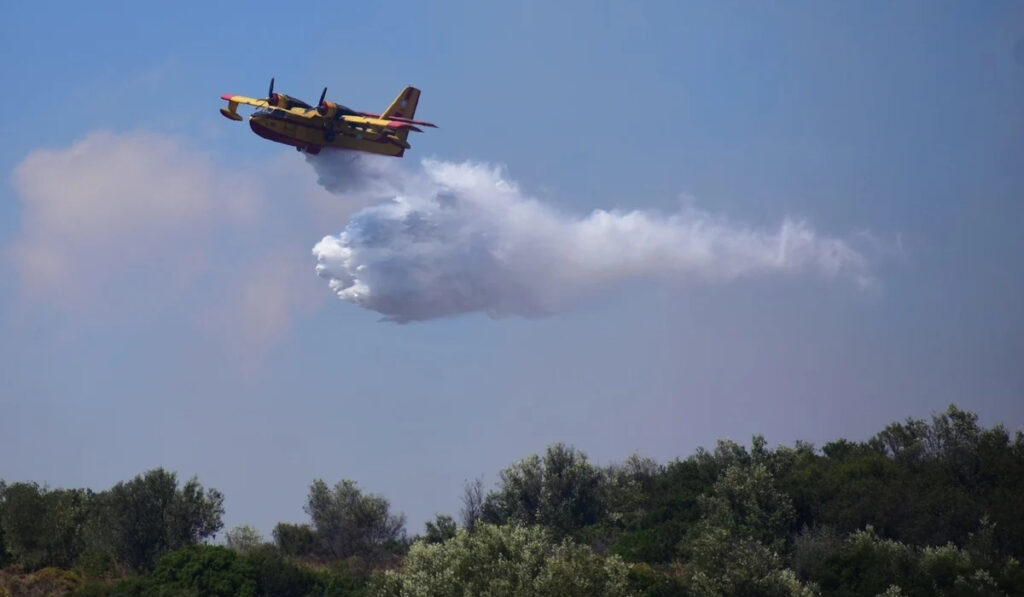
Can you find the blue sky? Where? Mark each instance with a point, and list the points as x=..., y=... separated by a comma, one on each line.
x=185, y=326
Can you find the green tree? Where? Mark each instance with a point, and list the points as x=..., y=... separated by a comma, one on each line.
x=276, y=576
x=746, y=502
x=507, y=560
x=868, y=564
x=44, y=527
x=736, y=547
x=5, y=556
x=562, y=492
x=294, y=539
x=441, y=529
x=915, y=482
x=812, y=549
x=573, y=570
x=518, y=497
x=348, y=523
x=628, y=485
x=472, y=503
x=667, y=509
x=150, y=515
x=243, y=539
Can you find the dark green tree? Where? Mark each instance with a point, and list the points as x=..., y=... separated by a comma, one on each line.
x=562, y=492
x=915, y=482
x=348, y=523
x=294, y=539
x=441, y=529
x=668, y=507
x=44, y=527
x=472, y=503
x=150, y=515
x=5, y=556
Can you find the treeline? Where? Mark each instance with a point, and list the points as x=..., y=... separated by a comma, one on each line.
x=130, y=525
x=922, y=508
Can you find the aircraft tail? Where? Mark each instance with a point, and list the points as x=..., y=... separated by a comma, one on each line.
x=404, y=105
x=402, y=110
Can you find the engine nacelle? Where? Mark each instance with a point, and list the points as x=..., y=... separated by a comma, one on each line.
x=327, y=109
x=286, y=102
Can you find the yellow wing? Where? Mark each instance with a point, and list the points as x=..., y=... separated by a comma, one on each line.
x=233, y=100
x=241, y=99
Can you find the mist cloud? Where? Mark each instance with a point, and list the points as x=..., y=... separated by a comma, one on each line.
x=457, y=238
x=134, y=227
x=116, y=212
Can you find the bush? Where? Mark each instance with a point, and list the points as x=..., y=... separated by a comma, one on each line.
x=42, y=583
x=243, y=538
x=275, y=576
x=294, y=539
x=215, y=571
x=504, y=560
x=209, y=570
x=347, y=578
x=644, y=581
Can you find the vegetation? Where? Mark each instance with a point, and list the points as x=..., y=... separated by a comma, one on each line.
x=921, y=508
x=504, y=560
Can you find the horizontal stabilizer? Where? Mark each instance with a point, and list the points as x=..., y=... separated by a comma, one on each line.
x=404, y=126
x=411, y=121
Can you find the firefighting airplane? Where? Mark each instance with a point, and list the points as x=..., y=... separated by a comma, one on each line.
x=293, y=122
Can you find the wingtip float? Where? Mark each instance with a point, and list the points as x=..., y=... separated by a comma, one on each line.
x=291, y=121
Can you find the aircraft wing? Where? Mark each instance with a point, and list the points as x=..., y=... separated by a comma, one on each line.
x=233, y=101
x=241, y=99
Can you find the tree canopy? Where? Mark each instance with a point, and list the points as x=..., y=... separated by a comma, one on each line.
x=920, y=508
x=346, y=522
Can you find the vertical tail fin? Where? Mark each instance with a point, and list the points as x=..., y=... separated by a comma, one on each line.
x=404, y=105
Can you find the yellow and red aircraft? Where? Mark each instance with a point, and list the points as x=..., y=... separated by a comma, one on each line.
x=293, y=122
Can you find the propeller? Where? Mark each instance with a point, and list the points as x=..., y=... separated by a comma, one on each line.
x=322, y=108
x=271, y=96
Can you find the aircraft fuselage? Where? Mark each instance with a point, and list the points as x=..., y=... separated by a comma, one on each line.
x=305, y=135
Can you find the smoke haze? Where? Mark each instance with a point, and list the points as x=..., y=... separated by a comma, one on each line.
x=456, y=238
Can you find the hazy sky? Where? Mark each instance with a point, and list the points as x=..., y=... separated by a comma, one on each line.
x=159, y=304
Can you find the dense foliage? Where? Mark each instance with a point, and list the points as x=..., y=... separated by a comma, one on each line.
x=921, y=508
x=130, y=525
x=347, y=523
x=215, y=571
x=504, y=560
